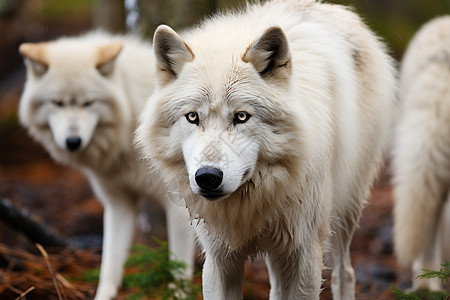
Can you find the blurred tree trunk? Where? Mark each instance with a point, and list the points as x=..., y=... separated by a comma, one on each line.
x=109, y=15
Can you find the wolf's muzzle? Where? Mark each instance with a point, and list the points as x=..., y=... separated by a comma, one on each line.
x=73, y=143
x=208, y=178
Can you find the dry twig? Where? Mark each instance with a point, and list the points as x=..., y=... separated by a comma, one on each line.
x=73, y=261
x=22, y=295
x=49, y=266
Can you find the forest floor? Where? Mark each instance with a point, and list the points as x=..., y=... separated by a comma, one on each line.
x=61, y=199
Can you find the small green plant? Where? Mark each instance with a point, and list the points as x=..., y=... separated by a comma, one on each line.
x=443, y=274
x=155, y=275
x=419, y=294
x=152, y=275
x=91, y=275
x=423, y=293
x=399, y=295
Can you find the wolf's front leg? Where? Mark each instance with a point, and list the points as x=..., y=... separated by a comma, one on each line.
x=297, y=275
x=181, y=237
x=223, y=275
x=118, y=225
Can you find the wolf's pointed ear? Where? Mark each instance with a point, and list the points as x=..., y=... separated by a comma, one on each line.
x=269, y=54
x=106, y=57
x=171, y=53
x=35, y=58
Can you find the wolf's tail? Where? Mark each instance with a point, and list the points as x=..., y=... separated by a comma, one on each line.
x=420, y=178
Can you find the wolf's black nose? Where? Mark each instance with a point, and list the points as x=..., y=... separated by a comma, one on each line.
x=208, y=178
x=73, y=143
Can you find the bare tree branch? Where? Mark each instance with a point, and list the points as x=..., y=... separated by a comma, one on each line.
x=21, y=221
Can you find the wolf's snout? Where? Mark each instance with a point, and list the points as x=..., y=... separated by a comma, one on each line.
x=73, y=143
x=208, y=178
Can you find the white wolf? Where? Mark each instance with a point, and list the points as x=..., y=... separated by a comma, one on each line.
x=81, y=101
x=271, y=122
x=421, y=161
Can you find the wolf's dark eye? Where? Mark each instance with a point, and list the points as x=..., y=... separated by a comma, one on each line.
x=58, y=103
x=88, y=103
x=192, y=117
x=241, y=117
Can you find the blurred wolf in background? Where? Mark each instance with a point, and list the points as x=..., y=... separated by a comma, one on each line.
x=421, y=156
x=271, y=121
x=81, y=101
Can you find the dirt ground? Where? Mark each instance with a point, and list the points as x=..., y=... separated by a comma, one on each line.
x=62, y=199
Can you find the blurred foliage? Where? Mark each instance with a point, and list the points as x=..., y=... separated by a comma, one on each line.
x=419, y=294
x=178, y=13
x=91, y=276
x=56, y=10
x=395, y=21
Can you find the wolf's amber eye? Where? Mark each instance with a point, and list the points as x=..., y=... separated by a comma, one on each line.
x=241, y=117
x=58, y=103
x=192, y=117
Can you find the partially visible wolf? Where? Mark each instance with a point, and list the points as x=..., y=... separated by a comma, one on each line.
x=421, y=160
x=81, y=101
x=271, y=122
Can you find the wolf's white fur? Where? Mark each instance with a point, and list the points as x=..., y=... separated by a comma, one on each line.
x=320, y=90
x=421, y=162
x=71, y=91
